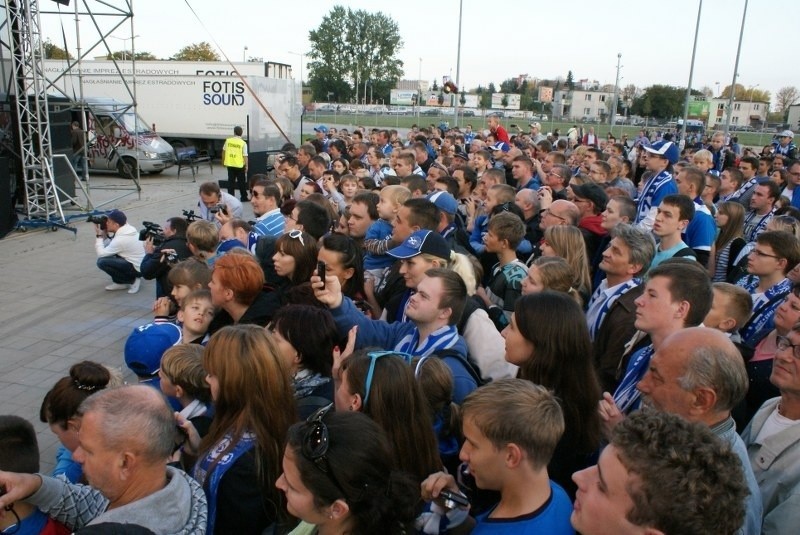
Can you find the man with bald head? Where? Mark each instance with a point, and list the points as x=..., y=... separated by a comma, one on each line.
x=699, y=375
x=126, y=437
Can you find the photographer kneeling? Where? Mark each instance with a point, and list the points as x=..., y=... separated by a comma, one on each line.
x=121, y=254
x=163, y=249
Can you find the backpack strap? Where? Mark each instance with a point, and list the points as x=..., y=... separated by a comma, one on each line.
x=473, y=372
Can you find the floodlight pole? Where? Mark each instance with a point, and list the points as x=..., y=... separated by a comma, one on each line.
x=455, y=96
x=735, y=74
x=691, y=72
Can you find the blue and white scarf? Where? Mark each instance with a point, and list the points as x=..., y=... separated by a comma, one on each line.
x=626, y=396
x=652, y=194
x=764, y=306
x=231, y=454
x=600, y=303
x=443, y=338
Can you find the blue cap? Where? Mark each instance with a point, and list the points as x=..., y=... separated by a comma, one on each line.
x=444, y=202
x=321, y=128
x=665, y=149
x=146, y=345
x=501, y=145
x=422, y=242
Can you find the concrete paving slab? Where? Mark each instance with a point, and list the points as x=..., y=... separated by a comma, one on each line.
x=54, y=310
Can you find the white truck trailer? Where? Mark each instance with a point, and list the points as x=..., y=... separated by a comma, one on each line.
x=195, y=103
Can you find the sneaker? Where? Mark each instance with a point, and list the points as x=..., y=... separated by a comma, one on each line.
x=134, y=288
x=114, y=287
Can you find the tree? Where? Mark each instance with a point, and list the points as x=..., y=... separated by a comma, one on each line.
x=746, y=94
x=786, y=97
x=504, y=101
x=570, y=81
x=52, y=51
x=435, y=86
x=126, y=55
x=707, y=91
x=486, y=96
x=661, y=101
x=197, y=52
x=349, y=47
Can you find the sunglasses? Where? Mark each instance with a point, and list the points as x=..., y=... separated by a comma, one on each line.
x=374, y=356
x=297, y=235
x=316, y=443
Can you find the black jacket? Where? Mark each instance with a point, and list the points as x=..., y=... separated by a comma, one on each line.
x=154, y=268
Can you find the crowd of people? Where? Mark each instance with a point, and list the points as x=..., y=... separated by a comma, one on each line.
x=460, y=331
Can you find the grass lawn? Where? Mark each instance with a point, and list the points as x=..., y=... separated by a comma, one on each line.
x=349, y=120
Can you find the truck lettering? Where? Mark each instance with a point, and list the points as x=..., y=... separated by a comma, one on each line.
x=218, y=99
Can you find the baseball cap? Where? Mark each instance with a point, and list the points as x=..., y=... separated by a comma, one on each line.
x=321, y=128
x=444, y=202
x=422, y=242
x=146, y=345
x=118, y=217
x=502, y=146
x=787, y=133
x=665, y=149
x=459, y=153
x=535, y=125
x=591, y=192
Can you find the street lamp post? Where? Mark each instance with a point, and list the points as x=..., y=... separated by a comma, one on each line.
x=124, y=46
x=735, y=73
x=301, y=64
x=616, y=93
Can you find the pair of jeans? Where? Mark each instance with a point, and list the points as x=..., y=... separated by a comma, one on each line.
x=121, y=271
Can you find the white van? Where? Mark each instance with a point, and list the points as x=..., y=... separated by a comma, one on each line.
x=119, y=140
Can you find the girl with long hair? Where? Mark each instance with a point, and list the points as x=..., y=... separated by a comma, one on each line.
x=239, y=459
x=567, y=242
x=382, y=385
x=729, y=242
x=549, y=340
x=339, y=477
x=295, y=256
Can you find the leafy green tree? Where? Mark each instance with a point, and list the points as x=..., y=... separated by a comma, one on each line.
x=349, y=47
x=570, y=81
x=197, y=52
x=486, y=97
x=661, y=101
x=51, y=51
x=504, y=101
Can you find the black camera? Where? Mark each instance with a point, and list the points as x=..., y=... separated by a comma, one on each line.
x=190, y=216
x=219, y=208
x=98, y=220
x=172, y=258
x=151, y=230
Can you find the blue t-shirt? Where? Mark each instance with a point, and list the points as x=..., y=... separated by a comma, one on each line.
x=702, y=229
x=551, y=518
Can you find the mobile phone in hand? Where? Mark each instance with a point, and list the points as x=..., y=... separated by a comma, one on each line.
x=321, y=271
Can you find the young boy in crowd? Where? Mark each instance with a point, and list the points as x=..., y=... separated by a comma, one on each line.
x=19, y=452
x=496, y=195
x=481, y=162
x=730, y=309
x=511, y=428
x=348, y=185
x=144, y=348
x=375, y=241
x=504, y=234
x=195, y=316
x=673, y=216
x=182, y=377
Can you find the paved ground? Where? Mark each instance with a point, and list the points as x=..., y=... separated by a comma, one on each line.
x=54, y=310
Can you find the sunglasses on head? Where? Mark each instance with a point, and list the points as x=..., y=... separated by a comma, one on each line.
x=316, y=443
x=374, y=356
x=297, y=235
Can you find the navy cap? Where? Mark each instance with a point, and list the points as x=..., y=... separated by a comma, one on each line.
x=422, y=242
x=146, y=345
x=444, y=202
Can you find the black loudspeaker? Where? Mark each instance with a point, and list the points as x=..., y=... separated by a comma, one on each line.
x=61, y=143
x=8, y=218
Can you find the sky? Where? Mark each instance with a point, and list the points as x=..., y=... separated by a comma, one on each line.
x=500, y=40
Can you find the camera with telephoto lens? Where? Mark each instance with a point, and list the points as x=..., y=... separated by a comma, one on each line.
x=151, y=230
x=219, y=208
x=100, y=220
